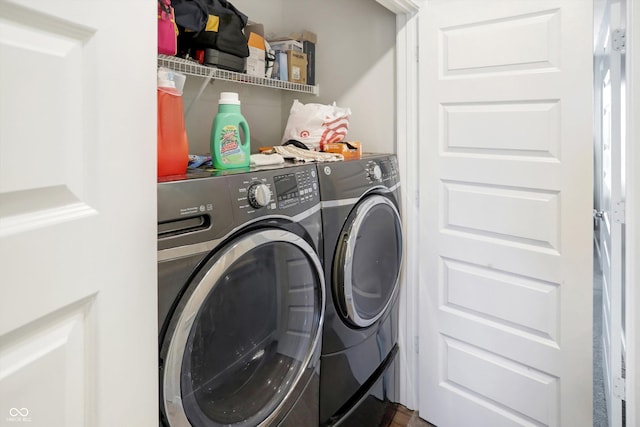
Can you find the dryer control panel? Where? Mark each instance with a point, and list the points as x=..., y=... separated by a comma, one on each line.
x=382, y=170
x=351, y=179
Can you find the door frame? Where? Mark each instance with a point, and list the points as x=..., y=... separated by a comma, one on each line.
x=610, y=231
x=406, y=149
x=632, y=215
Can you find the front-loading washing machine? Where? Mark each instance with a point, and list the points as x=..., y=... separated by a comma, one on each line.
x=363, y=246
x=241, y=298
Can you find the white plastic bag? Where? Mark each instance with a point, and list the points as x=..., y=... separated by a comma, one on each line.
x=316, y=124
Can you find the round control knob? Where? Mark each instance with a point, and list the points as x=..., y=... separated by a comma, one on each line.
x=375, y=173
x=259, y=195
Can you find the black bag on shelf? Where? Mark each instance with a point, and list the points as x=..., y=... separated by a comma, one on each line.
x=210, y=24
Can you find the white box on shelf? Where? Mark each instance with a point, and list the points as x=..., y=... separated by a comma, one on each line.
x=255, y=62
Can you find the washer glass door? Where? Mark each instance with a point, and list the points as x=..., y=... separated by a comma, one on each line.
x=368, y=260
x=245, y=332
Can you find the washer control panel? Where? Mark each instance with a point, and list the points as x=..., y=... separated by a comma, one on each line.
x=285, y=191
x=295, y=187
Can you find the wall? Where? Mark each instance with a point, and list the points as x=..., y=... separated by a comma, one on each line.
x=355, y=68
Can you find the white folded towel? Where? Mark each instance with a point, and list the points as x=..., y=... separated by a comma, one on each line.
x=299, y=154
x=265, y=159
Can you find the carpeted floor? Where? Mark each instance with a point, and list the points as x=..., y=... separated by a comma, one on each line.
x=599, y=404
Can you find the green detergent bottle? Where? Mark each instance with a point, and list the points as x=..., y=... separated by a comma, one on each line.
x=227, y=150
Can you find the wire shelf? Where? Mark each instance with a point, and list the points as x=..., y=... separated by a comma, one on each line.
x=193, y=68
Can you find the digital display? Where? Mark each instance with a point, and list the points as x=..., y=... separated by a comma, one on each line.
x=286, y=187
x=384, y=167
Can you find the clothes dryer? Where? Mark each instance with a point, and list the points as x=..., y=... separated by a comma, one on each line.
x=363, y=244
x=241, y=298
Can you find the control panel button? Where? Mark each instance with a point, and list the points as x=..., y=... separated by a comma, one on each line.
x=259, y=195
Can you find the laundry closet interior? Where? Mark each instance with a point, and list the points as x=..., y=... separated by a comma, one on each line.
x=355, y=68
x=239, y=243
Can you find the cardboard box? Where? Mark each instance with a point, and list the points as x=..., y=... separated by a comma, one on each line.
x=304, y=35
x=349, y=149
x=302, y=41
x=309, y=40
x=297, y=66
x=287, y=44
x=256, y=59
x=255, y=62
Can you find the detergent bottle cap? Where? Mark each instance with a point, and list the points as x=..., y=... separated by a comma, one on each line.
x=229, y=98
x=165, y=78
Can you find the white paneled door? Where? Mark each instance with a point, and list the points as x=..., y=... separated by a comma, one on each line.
x=506, y=228
x=78, y=338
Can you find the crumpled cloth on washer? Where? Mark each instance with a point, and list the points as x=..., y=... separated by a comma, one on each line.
x=299, y=154
x=265, y=159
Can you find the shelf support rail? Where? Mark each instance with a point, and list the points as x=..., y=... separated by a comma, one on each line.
x=203, y=86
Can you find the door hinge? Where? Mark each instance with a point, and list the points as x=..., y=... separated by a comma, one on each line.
x=619, y=40
x=416, y=343
x=619, y=388
x=618, y=213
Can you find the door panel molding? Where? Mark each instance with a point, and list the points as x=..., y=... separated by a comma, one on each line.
x=506, y=218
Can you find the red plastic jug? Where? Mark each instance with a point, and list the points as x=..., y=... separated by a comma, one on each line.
x=173, y=146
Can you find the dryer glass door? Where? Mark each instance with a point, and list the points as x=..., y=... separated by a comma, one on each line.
x=368, y=261
x=245, y=333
